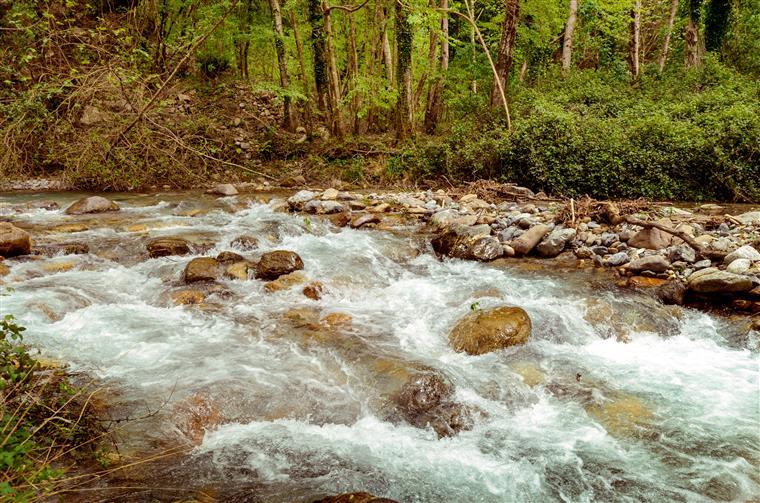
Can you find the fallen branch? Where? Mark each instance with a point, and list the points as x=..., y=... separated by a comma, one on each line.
x=700, y=250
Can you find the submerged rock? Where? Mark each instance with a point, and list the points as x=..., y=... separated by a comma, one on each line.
x=277, y=263
x=314, y=290
x=14, y=241
x=92, y=204
x=246, y=243
x=186, y=297
x=51, y=250
x=202, y=269
x=489, y=330
x=285, y=281
x=164, y=247
x=238, y=270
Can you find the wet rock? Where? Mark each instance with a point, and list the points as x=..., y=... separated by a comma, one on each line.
x=489, y=330
x=277, y=263
x=623, y=415
x=92, y=204
x=246, y=243
x=645, y=282
x=202, y=269
x=228, y=257
x=654, y=263
x=238, y=270
x=14, y=241
x=553, y=244
x=671, y=293
x=652, y=239
x=223, y=189
x=195, y=416
x=4, y=269
x=712, y=280
x=293, y=181
x=423, y=392
x=739, y=266
x=354, y=498
x=164, y=247
x=298, y=200
x=333, y=320
x=324, y=207
x=285, y=281
x=529, y=239
x=366, y=219
x=471, y=243
x=341, y=219
x=314, y=290
x=745, y=252
x=617, y=259
x=52, y=250
x=187, y=297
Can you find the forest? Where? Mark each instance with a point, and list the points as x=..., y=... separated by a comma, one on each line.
x=610, y=98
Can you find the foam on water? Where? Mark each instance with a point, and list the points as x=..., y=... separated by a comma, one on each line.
x=671, y=415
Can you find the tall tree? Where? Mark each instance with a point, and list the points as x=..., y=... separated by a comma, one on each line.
x=668, y=33
x=693, y=52
x=716, y=23
x=635, y=41
x=316, y=20
x=290, y=119
x=435, y=93
x=506, y=48
x=403, y=72
x=567, y=43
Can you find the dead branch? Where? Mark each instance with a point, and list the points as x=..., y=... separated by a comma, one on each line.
x=700, y=250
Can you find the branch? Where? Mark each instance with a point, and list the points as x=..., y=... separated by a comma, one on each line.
x=701, y=251
x=345, y=8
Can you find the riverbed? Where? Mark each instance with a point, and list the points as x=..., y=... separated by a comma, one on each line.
x=278, y=397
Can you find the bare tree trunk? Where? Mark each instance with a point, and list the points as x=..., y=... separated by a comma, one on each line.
x=353, y=65
x=435, y=95
x=635, y=42
x=302, y=70
x=506, y=48
x=666, y=42
x=567, y=44
x=387, y=56
x=403, y=73
x=282, y=62
x=336, y=123
x=693, y=53
x=523, y=71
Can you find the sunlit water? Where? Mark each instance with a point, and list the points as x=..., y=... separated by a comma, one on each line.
x=574, y=415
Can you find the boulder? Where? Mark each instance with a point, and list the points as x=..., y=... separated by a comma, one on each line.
x=164, y=247
x=277, y=263
x=228, y=257
x=749, y=218
x=223, y=189
x=238, y=270
x=330, y=194
x=285, y=281
x=446, y=218
x=744, y=252
x=553, y=244
x=654, y=263
x=682, y=253
x=14, y=241
x=323, y=207
x=187, y=297
x=423, y=392
x=298, y=200
x=468, y=242
x=671, y=293
x=488, y=330
x=652, y=239
x=92, y=204
x=366, y=219
x=202, y=269
x=617, y=259
x=713, y=280
x=739, y=266
x=529, y=239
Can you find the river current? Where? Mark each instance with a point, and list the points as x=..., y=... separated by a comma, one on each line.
x=614, y=398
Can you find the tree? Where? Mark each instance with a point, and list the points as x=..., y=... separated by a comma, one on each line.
x=506, y=48
x=693, y=51
x=668, y=33
x=403, y=72
x=282, y=62
x=635, y=42
x=567, y=43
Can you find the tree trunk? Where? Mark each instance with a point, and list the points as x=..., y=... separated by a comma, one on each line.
x=692, y=53
x=282, y=62
x=302, y=71
x=523, y=71
x=435, y=96
x=567, y=43
x=430, y=67
x=403, y=73
x=353, y=66
x=336, y=119
x=318, y=51
x=666, y=42
x=635, y=42
x=387, y=56
x=506, y=48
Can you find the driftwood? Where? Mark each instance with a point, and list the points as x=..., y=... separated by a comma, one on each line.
x=700, y=250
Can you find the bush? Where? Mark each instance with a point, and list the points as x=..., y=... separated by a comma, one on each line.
x=686, y=136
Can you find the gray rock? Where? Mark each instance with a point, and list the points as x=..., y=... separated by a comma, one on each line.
x=298, y=200
x=223, y=189
x=446, y=218
x=712, y=280
x=654, y=263
x=617, y=259
x=702, y=264
x=744, y=252
x=93, y=204
x=683, y=253
x=324, y=207
x=739, y=266
x=529, y=239
x=486, y=248
x=652, y=239
x=509, y=234
x=553, y=244
x=608, y=238
x=749, y=218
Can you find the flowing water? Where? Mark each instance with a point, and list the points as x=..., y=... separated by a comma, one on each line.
x=614, y=398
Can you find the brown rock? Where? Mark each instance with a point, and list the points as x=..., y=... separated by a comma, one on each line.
x=228, y=257
x=354, y=498
x=285, y=281
x=488, y=330
x=238, y=270
x=366, y=219
x=333, y=320
x=340, y=219
x=93, y=204
x=196, y=415
x=245, y=242
x=423, y=392
x=314, y=290
x=277, y=263
x=672, y=292
x=652, y=239
x=4, y=269
x=185, y=297
x=14, y=241
x=164, y=247
x=644, y=282
x=529, y=239
x=202, y=269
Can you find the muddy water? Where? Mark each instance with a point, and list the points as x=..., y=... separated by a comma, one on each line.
x=614, y=398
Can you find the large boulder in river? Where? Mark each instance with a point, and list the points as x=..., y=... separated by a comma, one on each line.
x=223, y=189
x=14, y=241
x=277, y=263
x=164, y=247
x=202, y=269
x=468, y=242
x=298, y=200
x=489, y=330
x=713, y=280
x=528, y=240
x=92, y=204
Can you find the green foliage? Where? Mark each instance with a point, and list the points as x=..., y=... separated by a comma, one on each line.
x=689, y=136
